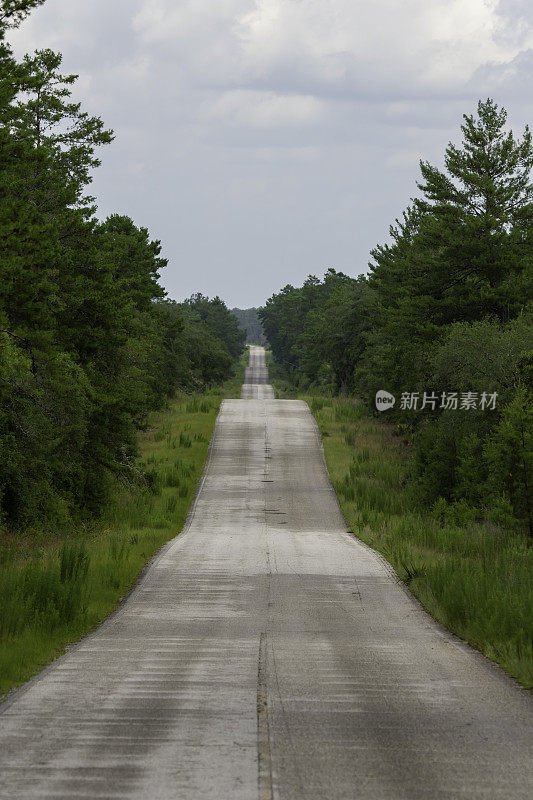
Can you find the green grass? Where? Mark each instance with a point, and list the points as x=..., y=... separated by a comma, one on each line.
x=232, y=388
x=474, y=578
x=55, y=589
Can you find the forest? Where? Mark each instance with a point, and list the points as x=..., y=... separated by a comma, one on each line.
x=443, y=322
x=249, y=321
x=89, y=343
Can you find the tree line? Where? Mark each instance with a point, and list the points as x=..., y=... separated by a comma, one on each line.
x=442, y=322
x=249, y=322
x=89, y=343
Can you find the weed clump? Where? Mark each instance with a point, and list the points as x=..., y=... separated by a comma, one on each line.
x=472, y=573
x=47, y=595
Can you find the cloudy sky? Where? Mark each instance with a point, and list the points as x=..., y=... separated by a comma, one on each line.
x=263, y=140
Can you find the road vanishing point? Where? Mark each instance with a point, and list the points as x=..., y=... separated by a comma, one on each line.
x=267, y=654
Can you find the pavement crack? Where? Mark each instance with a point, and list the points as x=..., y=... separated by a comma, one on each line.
x=263, y=730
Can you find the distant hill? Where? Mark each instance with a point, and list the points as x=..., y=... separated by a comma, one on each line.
x=250, y=322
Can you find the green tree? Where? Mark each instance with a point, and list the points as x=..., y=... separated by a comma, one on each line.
x=87, y=343
x=509, y=456
x=474, y=245
x=462, y=251
x=47, y=151
x=318, y=331
x=13, y=12
x=444, y=308
x=249, y=322
x=340, y=332
x=216, y=315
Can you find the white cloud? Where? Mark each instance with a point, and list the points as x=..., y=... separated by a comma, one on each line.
x=265, y=109
x=343, y=46
x=279, y=133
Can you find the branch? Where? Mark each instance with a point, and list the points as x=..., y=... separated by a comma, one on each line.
x=25, y=344
x=13, y=385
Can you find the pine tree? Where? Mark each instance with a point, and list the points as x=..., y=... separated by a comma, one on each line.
x=474, y=250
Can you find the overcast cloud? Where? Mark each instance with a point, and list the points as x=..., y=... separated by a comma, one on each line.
x=262, y=140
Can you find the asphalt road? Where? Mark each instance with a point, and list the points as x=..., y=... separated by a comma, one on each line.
x=268, y=654
x=256, y=386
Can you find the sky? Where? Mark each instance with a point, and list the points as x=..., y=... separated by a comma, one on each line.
x=265, y=140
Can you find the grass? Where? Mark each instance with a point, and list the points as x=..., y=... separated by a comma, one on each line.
x=55, y=589
x=472, y=577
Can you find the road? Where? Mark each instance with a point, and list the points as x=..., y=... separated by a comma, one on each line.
x=256, y=385
x=268, y=654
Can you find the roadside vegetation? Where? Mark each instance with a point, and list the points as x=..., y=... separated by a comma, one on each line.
x=473, y=576
x=89, y=343
x=108, y=389
x=57, y=586
x=441, y=482
x=443, y=322
x=249, y=321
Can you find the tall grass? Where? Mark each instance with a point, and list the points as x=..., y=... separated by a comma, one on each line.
x=55, y=588
x=473, y=577
x=45, y=594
